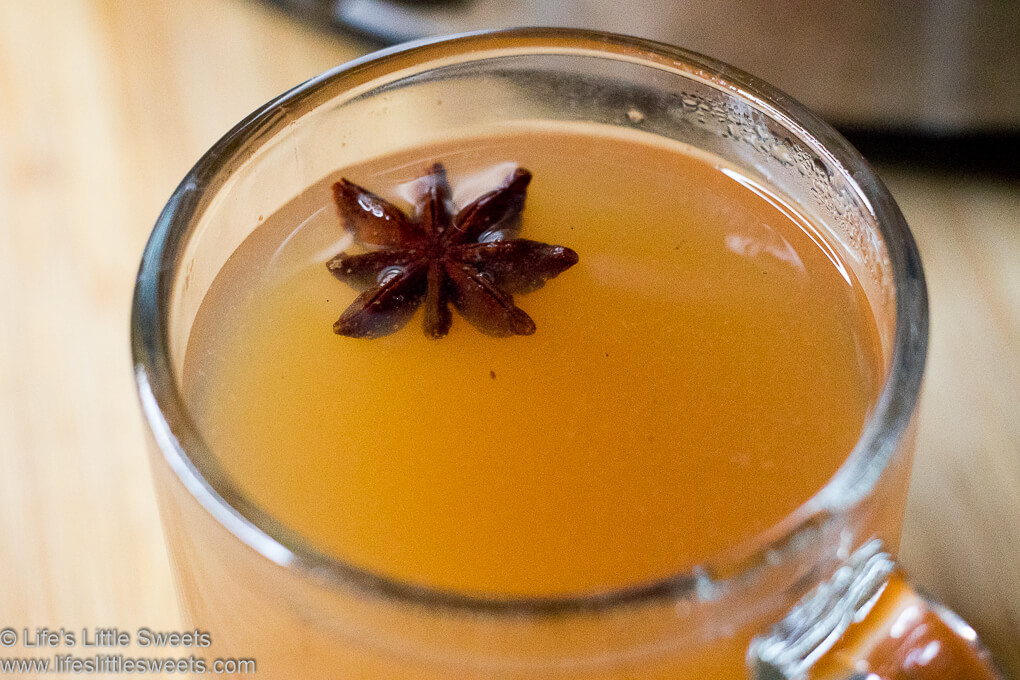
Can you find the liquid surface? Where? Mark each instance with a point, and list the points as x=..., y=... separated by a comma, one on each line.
x=702, y=371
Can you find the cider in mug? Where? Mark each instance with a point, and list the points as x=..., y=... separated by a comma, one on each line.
x=702, y=370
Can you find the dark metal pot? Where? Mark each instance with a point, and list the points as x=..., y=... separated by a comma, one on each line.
x=935, y=66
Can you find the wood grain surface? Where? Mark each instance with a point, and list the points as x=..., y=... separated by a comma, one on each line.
x=105, y=104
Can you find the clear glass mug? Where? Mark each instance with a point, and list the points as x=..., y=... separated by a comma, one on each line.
x=815, y=596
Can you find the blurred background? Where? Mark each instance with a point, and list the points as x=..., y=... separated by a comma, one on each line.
x=105, y=104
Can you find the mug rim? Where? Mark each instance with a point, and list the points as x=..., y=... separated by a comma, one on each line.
x=175, y=432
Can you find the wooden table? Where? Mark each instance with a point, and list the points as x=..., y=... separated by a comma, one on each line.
x=105, y=104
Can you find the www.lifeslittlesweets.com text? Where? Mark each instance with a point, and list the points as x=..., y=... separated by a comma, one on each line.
x=103, y=661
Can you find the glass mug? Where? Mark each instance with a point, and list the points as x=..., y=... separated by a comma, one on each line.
x=815, y=596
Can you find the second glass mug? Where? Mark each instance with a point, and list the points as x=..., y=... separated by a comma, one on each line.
x=815, y=596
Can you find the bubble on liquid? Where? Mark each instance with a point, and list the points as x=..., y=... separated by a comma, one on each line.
x=372, y=206
x=388, y=274
x=635, y=116
x=493, y=235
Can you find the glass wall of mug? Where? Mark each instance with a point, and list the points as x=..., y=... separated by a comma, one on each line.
x=261, y=590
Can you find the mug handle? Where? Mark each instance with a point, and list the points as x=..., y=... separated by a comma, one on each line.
x=867, y=623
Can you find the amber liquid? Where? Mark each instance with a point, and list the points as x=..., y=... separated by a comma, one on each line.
x=702, y=371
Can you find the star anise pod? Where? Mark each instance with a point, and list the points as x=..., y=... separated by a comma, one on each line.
x=441, y=257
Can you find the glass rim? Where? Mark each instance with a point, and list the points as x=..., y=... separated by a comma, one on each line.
x=175, y=433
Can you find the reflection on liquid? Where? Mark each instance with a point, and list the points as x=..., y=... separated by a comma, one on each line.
x=794, y=216
x=290, y=256
x=770, y=243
